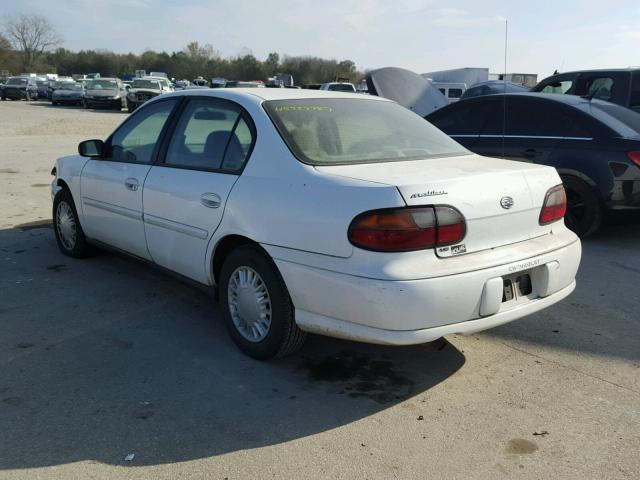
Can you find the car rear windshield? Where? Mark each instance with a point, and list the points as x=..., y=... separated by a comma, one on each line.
x=626, y=116
x=347, y=131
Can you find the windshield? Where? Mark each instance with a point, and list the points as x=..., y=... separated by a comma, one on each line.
x=67, y=86
x=17, y=81
x=346, y=131
x=154, y=84
x=102, y=85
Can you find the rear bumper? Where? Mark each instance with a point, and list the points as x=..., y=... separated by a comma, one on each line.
x=417, y=311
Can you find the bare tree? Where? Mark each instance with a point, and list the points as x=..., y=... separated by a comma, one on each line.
x=32, y=35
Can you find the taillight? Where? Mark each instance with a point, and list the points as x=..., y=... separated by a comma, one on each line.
x=406, y=229
x=634, y=156
x=555, y=205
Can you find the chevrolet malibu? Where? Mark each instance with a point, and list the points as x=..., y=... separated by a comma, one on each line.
x=332, y=213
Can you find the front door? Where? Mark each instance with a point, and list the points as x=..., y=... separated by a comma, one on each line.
x=111, y=188
x=185, y=194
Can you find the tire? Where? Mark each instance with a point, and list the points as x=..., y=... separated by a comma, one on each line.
x=283, y=336
x=4, y=99
x=584, y=209
x=130, y=108
x=64, y=210
x=54, y=103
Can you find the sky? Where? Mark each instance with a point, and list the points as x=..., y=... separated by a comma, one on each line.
x=421, y=35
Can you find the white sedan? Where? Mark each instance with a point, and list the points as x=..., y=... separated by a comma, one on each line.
x=333, y=213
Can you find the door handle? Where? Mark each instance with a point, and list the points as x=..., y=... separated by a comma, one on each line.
x=131, y=184
x=530, y=153
x=210, y=200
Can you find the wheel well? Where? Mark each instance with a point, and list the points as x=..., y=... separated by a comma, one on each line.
x=224, y=248
x=63, y=184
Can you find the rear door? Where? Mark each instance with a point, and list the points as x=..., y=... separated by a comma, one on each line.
x=525, y=128
x=111, y=188
x=185, y=194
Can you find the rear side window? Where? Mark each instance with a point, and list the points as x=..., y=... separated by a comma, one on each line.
x=601, y=88
x=462, y=118
x=628, y=118
x=530, y=117
x=210, y=135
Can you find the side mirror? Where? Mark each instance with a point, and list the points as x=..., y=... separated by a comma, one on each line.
x=91, y=148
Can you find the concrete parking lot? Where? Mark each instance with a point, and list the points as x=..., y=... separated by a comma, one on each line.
x=106, y=357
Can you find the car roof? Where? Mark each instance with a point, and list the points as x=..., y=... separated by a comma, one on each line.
x=573, y=100
x=595, y=70
x=266, y=94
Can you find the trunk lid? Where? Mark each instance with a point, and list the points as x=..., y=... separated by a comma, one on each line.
x=480, y=188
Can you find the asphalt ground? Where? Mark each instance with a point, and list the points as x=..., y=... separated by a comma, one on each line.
x=106, y=357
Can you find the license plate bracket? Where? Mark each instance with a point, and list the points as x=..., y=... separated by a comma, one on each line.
x=516, y=286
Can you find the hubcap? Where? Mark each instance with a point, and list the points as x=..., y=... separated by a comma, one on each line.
x=249, y=304
x=575, y=209
x=66, y=225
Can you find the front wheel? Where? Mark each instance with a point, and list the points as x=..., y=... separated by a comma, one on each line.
x=66, y=226
x=256, y=305
x=131, y=107
x=584, y=210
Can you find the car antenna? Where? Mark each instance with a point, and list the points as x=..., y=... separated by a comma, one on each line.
x=504, y=85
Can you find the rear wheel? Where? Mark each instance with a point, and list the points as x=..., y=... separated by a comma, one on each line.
x=256, y=305
x=66, y=226
x=584, y=210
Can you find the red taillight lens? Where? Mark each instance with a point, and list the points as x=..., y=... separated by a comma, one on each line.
x=634, y=157
x=406, y=229
x=555, y=205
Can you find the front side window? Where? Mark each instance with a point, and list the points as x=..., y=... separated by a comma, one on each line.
x=348, y=131
x=136, y=139
x=558, y=87
x=461, y=119
x=210, y=135
x=455, y=92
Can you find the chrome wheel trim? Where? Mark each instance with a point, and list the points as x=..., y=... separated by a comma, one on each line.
x=66, y=225
x=249, y=304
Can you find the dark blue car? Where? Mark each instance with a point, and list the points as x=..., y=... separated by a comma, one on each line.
x=18, y=88
x=594, y=145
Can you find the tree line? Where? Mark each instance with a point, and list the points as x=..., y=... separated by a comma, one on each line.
x=30, y=44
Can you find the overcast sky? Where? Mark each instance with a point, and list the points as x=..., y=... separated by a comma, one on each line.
x=422, y=35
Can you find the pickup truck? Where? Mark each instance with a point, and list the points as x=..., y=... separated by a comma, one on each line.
x=621, y=86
